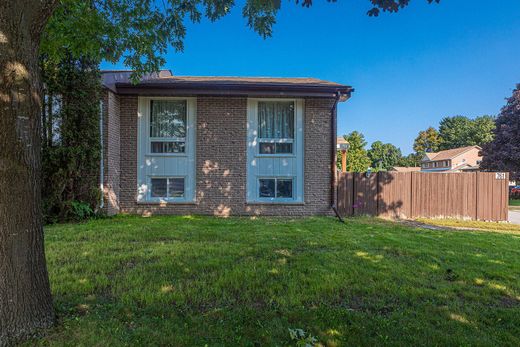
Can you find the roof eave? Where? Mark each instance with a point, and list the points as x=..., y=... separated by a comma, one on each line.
x=233, y=89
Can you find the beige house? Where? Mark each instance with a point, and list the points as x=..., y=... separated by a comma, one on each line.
x=463, y=159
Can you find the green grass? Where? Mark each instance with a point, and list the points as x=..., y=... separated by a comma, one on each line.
x=471, y=224
x=196, y=281
x=513, y=202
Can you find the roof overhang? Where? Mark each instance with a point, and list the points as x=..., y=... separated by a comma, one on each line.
x=232, y=89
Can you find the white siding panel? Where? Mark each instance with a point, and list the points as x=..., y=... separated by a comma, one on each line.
x=275, y=165
x=160, y=165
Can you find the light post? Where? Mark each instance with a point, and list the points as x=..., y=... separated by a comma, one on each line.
x=343, y=146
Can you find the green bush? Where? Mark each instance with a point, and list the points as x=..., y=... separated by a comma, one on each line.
x=78, y=211
x=70, y=139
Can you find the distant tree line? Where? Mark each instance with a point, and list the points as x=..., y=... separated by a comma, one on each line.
x=498, y=136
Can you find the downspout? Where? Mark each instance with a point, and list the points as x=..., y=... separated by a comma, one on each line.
x=101, y=157
x=333, y=136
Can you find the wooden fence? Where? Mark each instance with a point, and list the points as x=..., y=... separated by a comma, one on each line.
x=475, y=195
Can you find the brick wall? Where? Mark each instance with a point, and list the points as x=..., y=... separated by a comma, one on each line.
x=111, y=152
x=221, y=161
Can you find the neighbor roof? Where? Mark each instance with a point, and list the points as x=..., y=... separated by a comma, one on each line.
x=450, y=153
x=165, y=83
x=406, y=168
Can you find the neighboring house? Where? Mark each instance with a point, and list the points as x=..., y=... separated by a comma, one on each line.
x=405, y=169
x=463, y=159
x=219, y=145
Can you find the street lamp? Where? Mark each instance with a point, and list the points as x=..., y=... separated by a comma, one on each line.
x=342, y=145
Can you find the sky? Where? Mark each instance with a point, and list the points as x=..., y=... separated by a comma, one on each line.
x=409, y=69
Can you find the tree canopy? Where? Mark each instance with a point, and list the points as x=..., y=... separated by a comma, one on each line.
x=357, y=156
x=384, y=156
x=427, y=141
x=461, y=131
x=140, y=32
x=503, y=153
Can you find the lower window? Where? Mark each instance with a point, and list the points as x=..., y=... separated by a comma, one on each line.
x=167, y=187
x=278, y=188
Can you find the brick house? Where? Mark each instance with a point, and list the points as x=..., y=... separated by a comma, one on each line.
x=219, y=145
x=463, y=159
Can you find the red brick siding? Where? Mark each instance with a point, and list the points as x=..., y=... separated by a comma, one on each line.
x=221, y=160
x=111, y=153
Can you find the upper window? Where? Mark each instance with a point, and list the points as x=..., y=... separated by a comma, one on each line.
x=168, y=126
x=275, y=127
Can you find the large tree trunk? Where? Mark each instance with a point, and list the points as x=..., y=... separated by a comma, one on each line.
x=25, y=298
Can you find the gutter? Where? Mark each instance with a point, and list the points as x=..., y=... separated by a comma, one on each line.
x=101, y=157
x=233, y=89
x=333, y=135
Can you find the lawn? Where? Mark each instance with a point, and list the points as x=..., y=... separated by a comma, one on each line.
x=514, y=202
x=203, y=281
x=504, y=227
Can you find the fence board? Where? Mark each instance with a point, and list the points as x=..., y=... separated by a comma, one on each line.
x=481, y=195
x=394, y=199
x=365, y=194
x=345, y=189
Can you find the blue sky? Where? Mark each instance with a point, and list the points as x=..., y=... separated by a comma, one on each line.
x=409, y=69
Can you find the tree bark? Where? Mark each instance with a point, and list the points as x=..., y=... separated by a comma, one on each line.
x=25, y=297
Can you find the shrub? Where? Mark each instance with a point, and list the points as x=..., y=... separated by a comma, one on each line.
x=70, y=139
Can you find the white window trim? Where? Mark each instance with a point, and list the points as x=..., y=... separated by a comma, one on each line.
x=252, y=193
x=144, y=151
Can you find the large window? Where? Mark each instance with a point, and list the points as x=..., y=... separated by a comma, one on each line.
x=167, y=187
x=168, y=126
x=275, y=188
x=275, y=127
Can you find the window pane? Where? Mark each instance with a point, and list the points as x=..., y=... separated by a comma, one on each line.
x=276, y=119
x=284, y=188
x=168, y=118
x=175, y=147
x=267, y=188
x=157, y=147
x=266, y=148
x=168, y=147
x=158, y=188
x=175, y=187
x=283, y=148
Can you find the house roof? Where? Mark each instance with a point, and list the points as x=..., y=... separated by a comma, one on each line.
x=406, y=168
x=449, y=153
x=165, y=82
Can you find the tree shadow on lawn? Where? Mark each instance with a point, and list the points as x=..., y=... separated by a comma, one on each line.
x=368, y=282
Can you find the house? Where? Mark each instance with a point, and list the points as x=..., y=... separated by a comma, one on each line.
x=463, y=159
x=405, y=169
x=219, y=145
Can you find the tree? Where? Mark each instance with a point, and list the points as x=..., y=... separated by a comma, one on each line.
x=482, y=131
x=460, y=131
x=96, y=29
x=384, y=156
x=503, y=153
x=357, y=157
x=427, y=141
x=412, y=159
x=70, y=139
